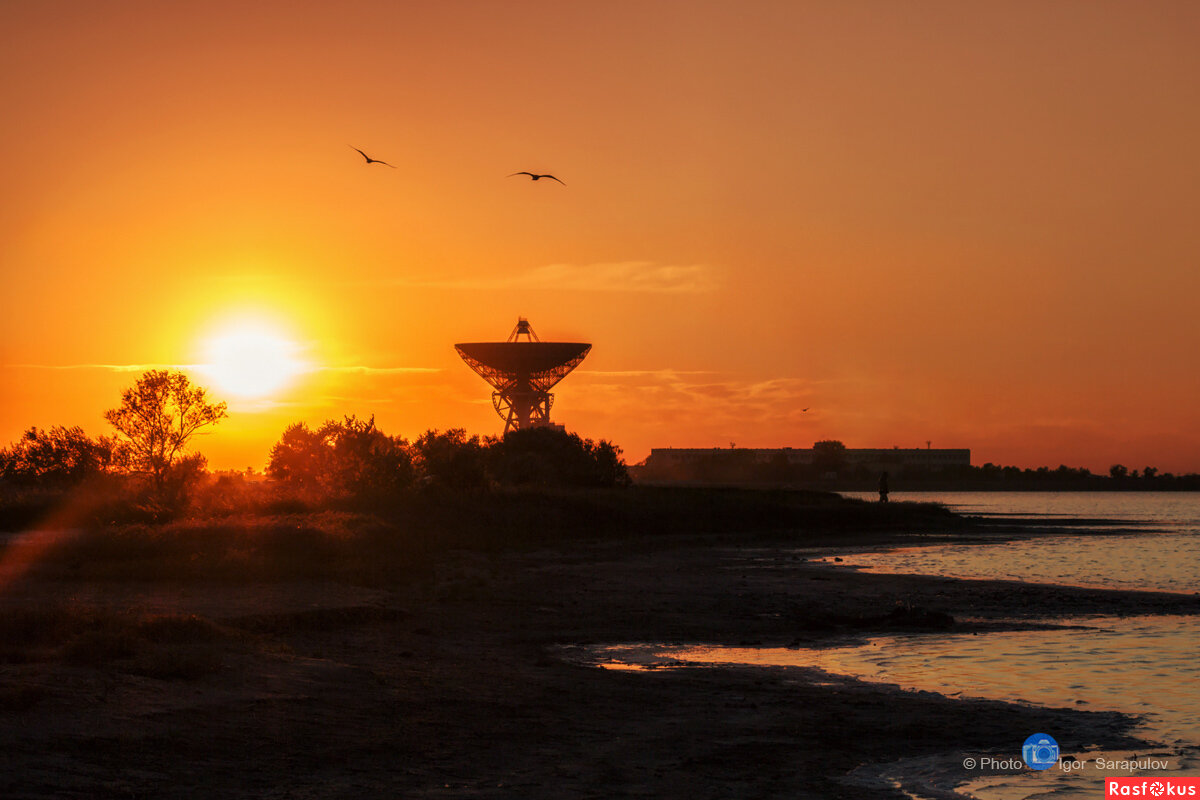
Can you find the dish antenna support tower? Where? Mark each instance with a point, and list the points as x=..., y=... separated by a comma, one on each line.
x=521, y=372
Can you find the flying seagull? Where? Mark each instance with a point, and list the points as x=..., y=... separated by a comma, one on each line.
x=369, y=159
x=535, y=177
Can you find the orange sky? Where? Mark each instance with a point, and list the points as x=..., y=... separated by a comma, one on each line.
x=968, y=223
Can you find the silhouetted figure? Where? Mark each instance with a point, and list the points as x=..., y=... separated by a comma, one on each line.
x=883, y=488
x=537, y=177
x=369, y=159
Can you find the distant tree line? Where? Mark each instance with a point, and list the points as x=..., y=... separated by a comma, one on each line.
x=160, y=416
x=1062, y=478
x=351, y=457
x=1119, y=478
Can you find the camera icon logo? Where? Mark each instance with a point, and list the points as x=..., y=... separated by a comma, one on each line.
x=1040, y=751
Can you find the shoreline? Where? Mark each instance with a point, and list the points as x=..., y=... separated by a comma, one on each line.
x=448, y=684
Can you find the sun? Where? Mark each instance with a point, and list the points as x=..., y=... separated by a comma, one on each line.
x=251, y=360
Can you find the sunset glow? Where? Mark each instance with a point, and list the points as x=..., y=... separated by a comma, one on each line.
x=370, y=369
x=965, y=223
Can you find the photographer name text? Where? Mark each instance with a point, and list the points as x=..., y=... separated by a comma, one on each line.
x=1069, y=764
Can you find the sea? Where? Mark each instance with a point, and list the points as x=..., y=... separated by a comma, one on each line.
x=1144, y=666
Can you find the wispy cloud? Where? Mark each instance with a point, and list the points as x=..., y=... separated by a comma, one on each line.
x=361, y=370
x=625, y=276
x=677, y=396
x=105, y=367
x=620, y=276
x=354, y=369
x=642, y=373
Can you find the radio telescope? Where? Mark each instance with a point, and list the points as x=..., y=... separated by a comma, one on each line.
x=522, y=372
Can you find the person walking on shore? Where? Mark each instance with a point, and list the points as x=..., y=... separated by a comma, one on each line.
x=883, y=488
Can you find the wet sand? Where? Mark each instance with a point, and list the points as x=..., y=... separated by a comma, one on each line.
x=456, y=685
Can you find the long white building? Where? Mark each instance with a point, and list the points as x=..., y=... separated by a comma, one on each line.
x=896, y=459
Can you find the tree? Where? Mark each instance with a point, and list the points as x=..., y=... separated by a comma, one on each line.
x=548, y=457
x=829, y=455
x=158, y=416
x=56, y=456
x=610, y=467
x=1118, y=471
x=350, y=457
x=452, y=458
x=300, y=457
x=366, y=461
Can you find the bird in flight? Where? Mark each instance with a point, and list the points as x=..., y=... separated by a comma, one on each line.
x=536, y=177
x=369, y=159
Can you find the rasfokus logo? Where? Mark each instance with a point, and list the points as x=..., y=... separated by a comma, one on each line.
x=1152, y=787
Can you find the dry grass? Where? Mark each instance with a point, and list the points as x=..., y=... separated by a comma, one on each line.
x=395, y=542
x=166, y=646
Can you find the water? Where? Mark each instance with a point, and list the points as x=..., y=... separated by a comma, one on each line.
x=1163, y=556
x=1161, y=507
x=1144, y=666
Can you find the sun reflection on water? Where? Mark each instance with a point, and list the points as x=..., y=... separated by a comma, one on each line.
x=1143, y=666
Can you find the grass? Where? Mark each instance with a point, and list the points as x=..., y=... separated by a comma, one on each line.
x=395, y=540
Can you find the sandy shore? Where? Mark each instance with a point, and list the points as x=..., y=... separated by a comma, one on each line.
x=453, y=686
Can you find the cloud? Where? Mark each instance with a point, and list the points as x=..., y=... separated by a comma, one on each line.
x=356, y=369
x=108, y=367
x=678, y=395
x=666, y=374
x=625, y=276
x=360, y=370
x=620, y=276
x=258, y=405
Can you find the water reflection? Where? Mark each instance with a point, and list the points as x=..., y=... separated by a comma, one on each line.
x=1151, y=562
x=1144, y=666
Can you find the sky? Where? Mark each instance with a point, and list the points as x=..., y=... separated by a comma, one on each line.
x=965, y=224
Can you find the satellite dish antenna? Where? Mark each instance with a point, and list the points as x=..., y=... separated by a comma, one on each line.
x=522, y=372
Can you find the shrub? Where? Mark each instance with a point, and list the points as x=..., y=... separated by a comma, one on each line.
x=347, y=458
x=452, y=459
x=58, y=456
x=549, y=457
